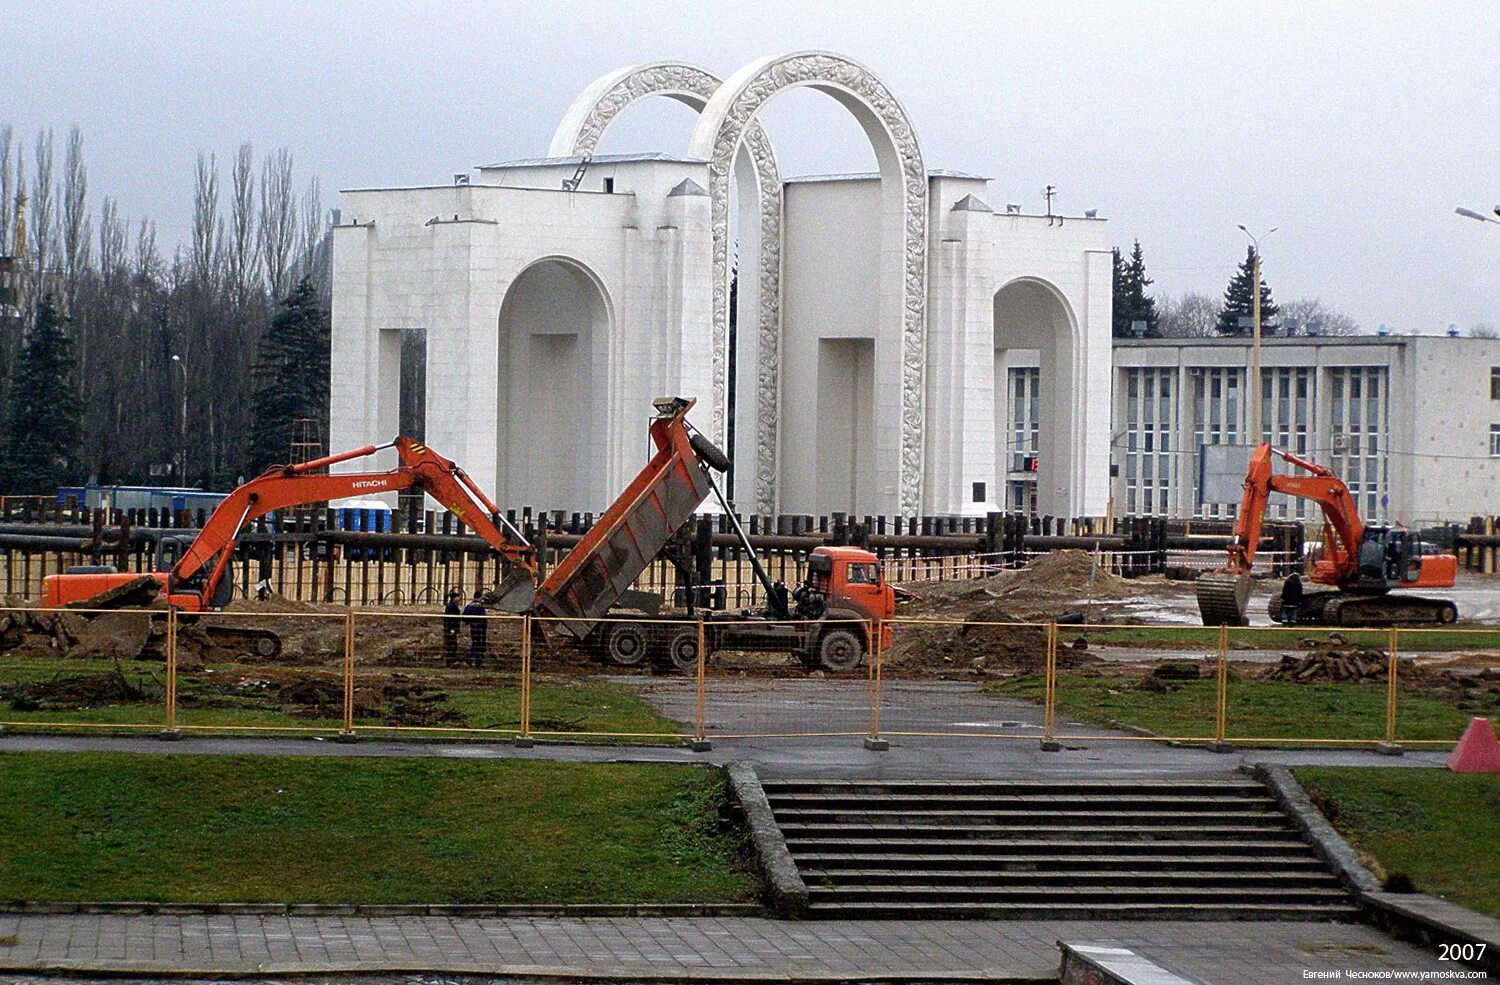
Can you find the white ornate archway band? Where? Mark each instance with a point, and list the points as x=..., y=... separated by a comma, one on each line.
x=726, y=120
x=582, y=128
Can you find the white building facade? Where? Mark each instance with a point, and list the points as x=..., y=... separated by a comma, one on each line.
x=863, y=367
x=1410, y=423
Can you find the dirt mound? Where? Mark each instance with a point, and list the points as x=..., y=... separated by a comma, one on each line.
x=985, y=641
x=1050, y=586
x=1334, y=663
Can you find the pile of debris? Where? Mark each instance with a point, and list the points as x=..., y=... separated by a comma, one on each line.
x=81, y=691
x=1336, y=663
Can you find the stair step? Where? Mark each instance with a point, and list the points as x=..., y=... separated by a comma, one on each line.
x=967, y=787
x=1040, y=801
x=930, y=832
x=980, y=847
x=1107, y=893
x=909, y=861
x=1345, y=912
x=907, y=878
x=917, y=818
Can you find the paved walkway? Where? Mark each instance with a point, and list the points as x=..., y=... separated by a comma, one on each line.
x=641, y=949
x=909, y=756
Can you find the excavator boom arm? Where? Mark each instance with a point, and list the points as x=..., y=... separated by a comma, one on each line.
x=284, y=486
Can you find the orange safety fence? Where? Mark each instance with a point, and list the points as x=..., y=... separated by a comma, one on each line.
x=707, y=678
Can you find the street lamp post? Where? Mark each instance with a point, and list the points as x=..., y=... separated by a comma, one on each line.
x=182, y=426
x=1471, y=214
x=1255, y=330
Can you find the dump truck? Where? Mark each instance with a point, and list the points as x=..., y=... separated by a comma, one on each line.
x=832, y=621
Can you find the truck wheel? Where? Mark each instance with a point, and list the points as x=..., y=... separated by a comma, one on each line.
x=840, y=649
x=625, y=645
x=682, y=651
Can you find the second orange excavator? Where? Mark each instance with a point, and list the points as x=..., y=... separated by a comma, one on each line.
x=1361, y=564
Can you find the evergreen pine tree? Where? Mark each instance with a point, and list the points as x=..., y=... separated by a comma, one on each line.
x=291, y=376
x=44, y=427
x=1131, y=302
x=1239, y=300
x=1121, y=298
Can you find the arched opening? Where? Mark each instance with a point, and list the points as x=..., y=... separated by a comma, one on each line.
x=554, y=324
x=1035, y=389
x=744, y=411
x=897, y=350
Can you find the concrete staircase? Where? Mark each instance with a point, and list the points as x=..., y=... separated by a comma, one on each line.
x=1208, y=849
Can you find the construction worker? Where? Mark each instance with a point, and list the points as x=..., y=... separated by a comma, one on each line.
x=452, y=623
x=1291, y=599
x=474, y=615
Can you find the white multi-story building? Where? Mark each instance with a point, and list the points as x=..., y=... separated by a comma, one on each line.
x=863, y=367
x=1410, y=423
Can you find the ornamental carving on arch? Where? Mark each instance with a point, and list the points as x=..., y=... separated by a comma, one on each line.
x=695, y=86
x=737, y=119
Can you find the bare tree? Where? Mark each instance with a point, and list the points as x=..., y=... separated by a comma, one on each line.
x=243, y=247
x=1483, y=330
x=7, y=190
x=76, y=232
x=1191, y=316
x=147, y=258
x=313, y=243
x=1309, y=316
x=39, y=224
x=205, y=253
x=278, y=222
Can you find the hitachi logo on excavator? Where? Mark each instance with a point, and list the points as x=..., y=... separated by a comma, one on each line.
x=370, y=484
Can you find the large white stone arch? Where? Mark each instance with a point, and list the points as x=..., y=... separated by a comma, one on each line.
x=729, y=115
x=759, y=186
x=1030, y=312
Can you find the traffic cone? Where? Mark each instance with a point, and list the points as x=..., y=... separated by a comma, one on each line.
x=1478, y=751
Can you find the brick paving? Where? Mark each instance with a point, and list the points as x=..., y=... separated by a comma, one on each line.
x=684, y=948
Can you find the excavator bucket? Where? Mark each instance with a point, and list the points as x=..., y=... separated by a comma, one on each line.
x=515, y=594
x=1224, y=598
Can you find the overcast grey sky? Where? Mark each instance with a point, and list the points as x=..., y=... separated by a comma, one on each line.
x=1354, y=127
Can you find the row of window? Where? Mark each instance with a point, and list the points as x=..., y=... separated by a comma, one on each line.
x=1159, y=478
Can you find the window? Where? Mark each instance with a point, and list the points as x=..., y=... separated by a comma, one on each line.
x=978, y=492
x=1495, y=440
x=863, y=574
x=1495, y=382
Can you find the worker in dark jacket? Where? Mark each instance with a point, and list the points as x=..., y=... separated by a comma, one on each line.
x=1291, y=599
x=452, y=624
x=474, y=615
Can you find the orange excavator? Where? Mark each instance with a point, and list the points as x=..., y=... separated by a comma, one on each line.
x=1362, y=564
x=194, y=576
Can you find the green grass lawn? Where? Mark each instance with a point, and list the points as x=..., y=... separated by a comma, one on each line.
x=86, y=826
x=1206, y=638
x=563, y=705
x=1257, y=709
x=1438, y=828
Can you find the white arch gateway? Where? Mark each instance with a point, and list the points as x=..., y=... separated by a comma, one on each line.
x=912, y=352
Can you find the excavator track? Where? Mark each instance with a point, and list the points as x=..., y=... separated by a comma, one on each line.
x=1388, y=610
x=1330, y=608
x=1224, y=598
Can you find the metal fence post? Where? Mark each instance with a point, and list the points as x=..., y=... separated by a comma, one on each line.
x=170, y=729
x=346, y=734
x=1049, y=697
x=873, y=741
x=523, y=740
x=1392, y=673
x=1221, y=693
x=700, y=741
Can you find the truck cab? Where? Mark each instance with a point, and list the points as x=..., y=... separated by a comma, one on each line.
x=847, y=583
